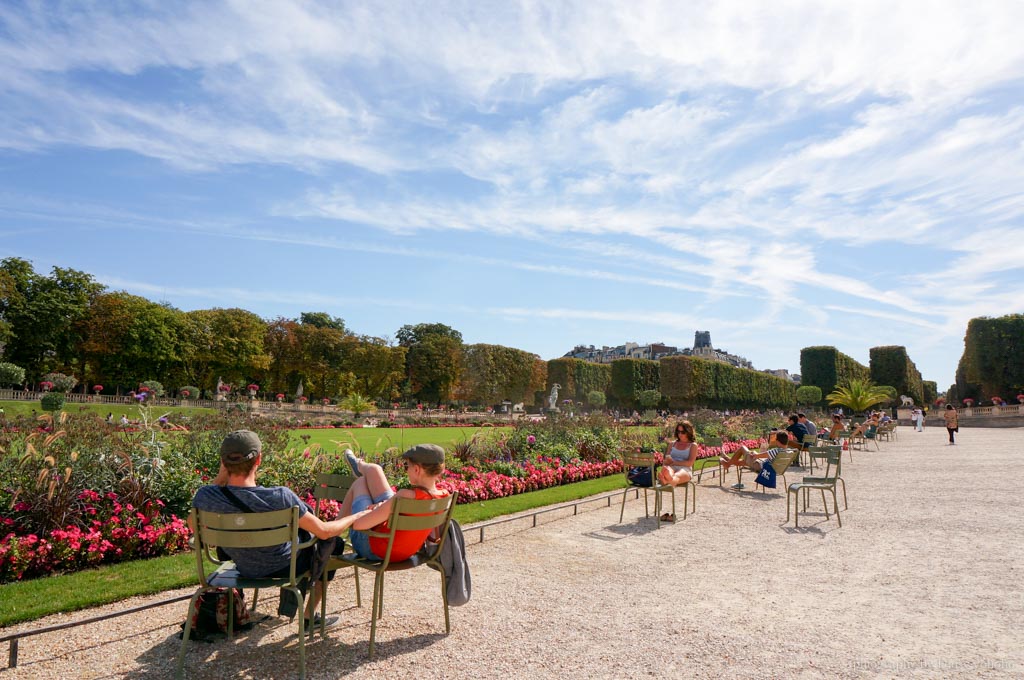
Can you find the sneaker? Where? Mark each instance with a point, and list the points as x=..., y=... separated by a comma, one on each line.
x=738, y=486
x=353, y=462
x=313, y=625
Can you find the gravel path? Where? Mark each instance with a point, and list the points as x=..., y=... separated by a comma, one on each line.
x=924, y=580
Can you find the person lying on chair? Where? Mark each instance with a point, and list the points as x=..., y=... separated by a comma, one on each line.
x=752, y=459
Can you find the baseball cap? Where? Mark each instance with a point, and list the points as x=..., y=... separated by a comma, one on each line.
x=425, y=454
x=240, y=445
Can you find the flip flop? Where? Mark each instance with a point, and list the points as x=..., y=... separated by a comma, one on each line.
x=353, y=462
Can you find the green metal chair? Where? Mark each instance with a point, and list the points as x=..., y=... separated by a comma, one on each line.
x=638, y=459
x=833, y=473
x=710, y=443
x=408, y=514
x=333, y=487
x=871, y=435
x=660, y=489
x=243, y=530
x=781, y=464
x=822, y=453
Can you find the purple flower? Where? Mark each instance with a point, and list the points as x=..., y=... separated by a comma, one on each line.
x=530, y=439
x=141, y=396
x=163, y=419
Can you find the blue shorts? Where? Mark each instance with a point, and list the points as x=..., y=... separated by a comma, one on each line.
x=360, y=540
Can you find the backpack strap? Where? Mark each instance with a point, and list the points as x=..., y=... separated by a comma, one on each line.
x=234, y=500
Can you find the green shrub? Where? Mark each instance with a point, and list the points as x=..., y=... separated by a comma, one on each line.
x=52, y=401
x=11, y=374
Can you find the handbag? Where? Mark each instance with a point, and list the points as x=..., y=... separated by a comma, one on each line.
x=767, y=475
x=640, y=476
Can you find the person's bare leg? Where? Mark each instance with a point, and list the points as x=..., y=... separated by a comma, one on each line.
x=681, y=477
x=373, y=478
x=358, y=488
x=314, y=600
x=737, y=455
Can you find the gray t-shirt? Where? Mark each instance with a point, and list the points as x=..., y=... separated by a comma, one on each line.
x=253, y=562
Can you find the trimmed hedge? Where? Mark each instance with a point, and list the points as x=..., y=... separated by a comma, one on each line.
x=578, y=378
x=689, y=382
x=890, y=365
x=630, y=377
x=826, y=367
x=931, y=391
x=993, y=359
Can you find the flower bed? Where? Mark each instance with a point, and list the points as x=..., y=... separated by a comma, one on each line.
x=116, y=532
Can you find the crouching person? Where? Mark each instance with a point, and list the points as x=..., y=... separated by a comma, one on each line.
x=234, y=489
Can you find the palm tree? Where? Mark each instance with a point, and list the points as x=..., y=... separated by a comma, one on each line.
x=358, y=404
x=857, y=395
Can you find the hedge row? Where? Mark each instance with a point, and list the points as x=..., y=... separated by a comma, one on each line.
x=689, y=382
x=993, y=359
x=630, y=377
x=578, y=378
x=826, y=367
x=890, y=365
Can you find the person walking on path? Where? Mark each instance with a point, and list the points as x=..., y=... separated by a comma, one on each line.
x=952, y=422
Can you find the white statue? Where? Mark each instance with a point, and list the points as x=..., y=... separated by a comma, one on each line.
x=553, y=397
x=907, y=401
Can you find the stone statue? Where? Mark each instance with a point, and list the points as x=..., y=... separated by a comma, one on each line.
x=553, y=397
x=907, y=401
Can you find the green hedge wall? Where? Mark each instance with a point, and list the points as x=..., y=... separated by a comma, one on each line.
x=630, y=377
x=826, y=367
x=890, y=365
x=689, y=382
x=578, y=378
x=931, y=391
x=993, y=359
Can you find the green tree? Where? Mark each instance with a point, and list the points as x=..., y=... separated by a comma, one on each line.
x=322, y=357
x=857, y=395
x=226, y=343
x=323, y=320
x=596, y=399
x=377, y=366
x=11, y=374
x=493, y=373
x=649, y=399
x=41, y=315
x=808, y=395
x=433, y=362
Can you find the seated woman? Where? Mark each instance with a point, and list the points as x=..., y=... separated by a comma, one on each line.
x=424, y=464
x=677, y=465
x=861, y=428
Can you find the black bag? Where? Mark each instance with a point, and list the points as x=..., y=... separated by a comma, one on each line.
x=210, y=619
x=640, y=476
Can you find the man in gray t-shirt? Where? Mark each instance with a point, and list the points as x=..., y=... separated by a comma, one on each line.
x=240, y=458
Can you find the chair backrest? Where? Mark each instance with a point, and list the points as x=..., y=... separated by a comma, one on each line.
x=242, y=530
x=632, y=459
x=331, y=487
x=783, y=460
x=869, y=433
x=831, y=457
x=411, y=514
x=809, y=440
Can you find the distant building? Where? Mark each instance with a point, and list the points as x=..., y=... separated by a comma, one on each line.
x=629, y=350
x=702, y=348
x=784, y=374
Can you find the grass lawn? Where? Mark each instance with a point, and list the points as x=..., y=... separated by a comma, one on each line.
x=375, y=439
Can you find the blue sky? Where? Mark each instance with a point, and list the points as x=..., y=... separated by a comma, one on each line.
x=533, y=174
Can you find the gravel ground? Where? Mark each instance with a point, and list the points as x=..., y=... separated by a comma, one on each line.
x=923, y=581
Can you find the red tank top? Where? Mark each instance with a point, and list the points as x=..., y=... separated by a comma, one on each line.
x=406, y=542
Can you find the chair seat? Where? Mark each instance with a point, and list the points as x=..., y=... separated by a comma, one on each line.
x=227, y=576
x=354, y=560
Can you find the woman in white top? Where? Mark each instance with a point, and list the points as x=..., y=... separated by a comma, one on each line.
x=677, y=466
